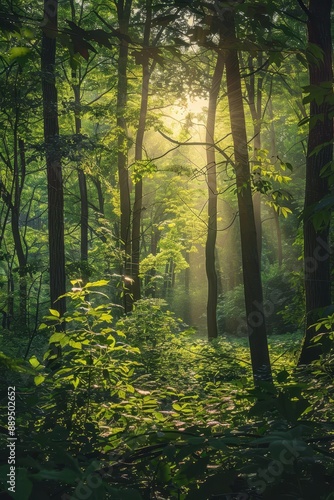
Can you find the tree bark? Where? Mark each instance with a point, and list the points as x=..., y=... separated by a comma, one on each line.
x=53, y=159
x=123, y=13
x=81, y=182
x=255, y=106
x=250, y=259
x=138, y=202
x=316, y=242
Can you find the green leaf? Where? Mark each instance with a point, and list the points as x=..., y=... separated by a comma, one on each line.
x=19, y=53
x=159, y=416
x=39, y=379
x=96, y=283
x=55, y=313
x=285, y=211
x=57, y=337
x=75, y=345
x=301, y=58
x=34, y=362
x=75, y=382
x=164, y=473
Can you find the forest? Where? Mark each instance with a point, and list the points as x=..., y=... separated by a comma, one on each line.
x=166, y=198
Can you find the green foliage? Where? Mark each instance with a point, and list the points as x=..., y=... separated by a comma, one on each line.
x=156, y=333
x=70, y=391
x=138, y=410
x=282, y=451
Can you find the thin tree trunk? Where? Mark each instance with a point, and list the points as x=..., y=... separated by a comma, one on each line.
x=250, y=258
x=53, y=159
x=316, y=242
x=123, y=12
x=18, y=181
x=279, y=238
x=211, y=175
x=187, y=298
x=100, y=196
x=82, y=183
x=76, y=87
x=137, y=206
x=255, y=106
x=273, y=157
x=150, y=283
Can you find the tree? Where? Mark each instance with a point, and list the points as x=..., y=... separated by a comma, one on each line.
x=319, y=157
x=53, y=158
x=123, y=15
x=250, y=258
x=76, y=87
x=138, y=201
x=210, y=247
x=255, y=97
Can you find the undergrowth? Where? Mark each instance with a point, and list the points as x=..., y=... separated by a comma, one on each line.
x=138, y=409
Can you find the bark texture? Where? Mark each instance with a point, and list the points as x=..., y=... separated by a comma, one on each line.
x=250, y=259
x=316, y=242
x=53, y=159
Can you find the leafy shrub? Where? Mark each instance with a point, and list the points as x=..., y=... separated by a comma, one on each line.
x=75, y=395
x=157, y=334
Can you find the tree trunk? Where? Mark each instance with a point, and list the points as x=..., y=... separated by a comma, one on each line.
x=137, y=206
x=316, y=242
x=123, y=13
x=255, y=106
x=150, y=283
x=279, y=238
x=211, y=175
x=18, y=180
x=53, y=159
x=82, y=184
x=273, y=158
x=100, y=196
x=81, y=177
x=76, y=87
x=250, y=259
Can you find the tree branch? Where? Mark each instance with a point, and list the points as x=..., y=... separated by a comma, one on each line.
x=304, y=8
x=209, y=144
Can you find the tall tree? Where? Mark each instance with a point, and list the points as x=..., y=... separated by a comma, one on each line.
x=123, y=15
x=138, y=202
x=250, y=258
x=319, y=156
x=53, y=158
x=76, y=87
x=82, y=182
x=254, y=87
x=211, y=179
